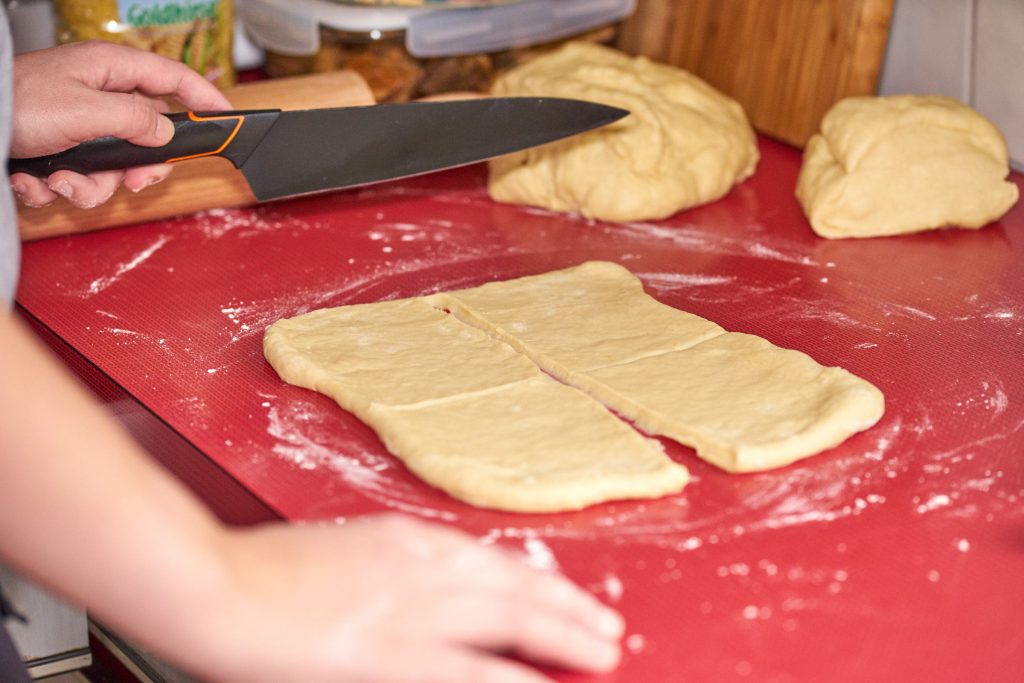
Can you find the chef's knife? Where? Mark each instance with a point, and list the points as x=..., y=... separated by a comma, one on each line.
x=286, y=153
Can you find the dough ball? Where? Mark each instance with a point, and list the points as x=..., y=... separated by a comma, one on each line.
x=683, y=144
x=906, y=163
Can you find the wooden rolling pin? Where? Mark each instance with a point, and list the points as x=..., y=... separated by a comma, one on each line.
x=202, y=183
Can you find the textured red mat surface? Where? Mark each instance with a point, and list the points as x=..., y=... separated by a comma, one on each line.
x=896, y=556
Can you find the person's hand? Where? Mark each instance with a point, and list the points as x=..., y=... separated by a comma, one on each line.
x=391, y=600
x=381, y=599
x=70, y=94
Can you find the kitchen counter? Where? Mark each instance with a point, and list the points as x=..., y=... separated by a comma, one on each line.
x=897, y=555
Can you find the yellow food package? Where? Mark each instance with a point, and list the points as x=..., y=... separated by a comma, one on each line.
x=196, y=32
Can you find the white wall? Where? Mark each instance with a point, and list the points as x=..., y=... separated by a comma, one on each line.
x=972, y=50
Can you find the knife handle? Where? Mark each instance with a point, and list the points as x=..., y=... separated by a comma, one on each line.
x=230, y=134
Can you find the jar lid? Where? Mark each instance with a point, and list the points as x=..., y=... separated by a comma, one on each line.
x=292, y=27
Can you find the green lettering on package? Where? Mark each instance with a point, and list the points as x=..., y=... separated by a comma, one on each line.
x=142, y=13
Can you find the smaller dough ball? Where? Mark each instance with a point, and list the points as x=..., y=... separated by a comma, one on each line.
x=905, y=163
x=683, y=144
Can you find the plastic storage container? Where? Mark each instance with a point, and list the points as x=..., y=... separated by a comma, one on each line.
x=407, y=52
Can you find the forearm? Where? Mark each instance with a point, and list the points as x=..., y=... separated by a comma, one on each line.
x=75, y=486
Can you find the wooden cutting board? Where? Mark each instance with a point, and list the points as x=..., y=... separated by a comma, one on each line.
x=202, y=183
x=786, y=61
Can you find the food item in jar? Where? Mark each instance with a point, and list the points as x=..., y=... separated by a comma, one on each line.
x=394, y=75
x=683, y=144
x=465, y=412
x=196, y=32
x=901, y=164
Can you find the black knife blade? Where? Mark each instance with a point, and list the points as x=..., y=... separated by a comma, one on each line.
x=283, y=154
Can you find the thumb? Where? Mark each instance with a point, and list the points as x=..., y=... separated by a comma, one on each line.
x=132, y=117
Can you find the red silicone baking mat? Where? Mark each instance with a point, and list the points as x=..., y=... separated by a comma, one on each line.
x=898, y=555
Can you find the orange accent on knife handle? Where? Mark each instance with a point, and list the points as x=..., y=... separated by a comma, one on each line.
x=236, y=119
x=230, y=134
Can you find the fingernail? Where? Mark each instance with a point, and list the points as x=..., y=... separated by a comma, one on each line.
x=166, y=128
x=29, y=203
x=64, y=189
x=19, y=191
x=152, y=180
x=610, y=624
x=610, y=659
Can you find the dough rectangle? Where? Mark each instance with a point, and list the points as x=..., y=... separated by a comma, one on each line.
x=578, y=319
x=742, y=403
x=466, y=412
x=532, y=446
x=391, y=353
x=461, y=398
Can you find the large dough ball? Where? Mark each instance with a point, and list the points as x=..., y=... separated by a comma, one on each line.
x=891, y=165
x=683, y=144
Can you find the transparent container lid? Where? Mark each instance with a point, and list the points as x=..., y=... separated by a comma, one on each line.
x=292, y=27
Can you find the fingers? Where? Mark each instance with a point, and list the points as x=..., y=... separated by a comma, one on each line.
x=32, y=191
x=538, y=606
x=133, y=117
x=391, y=599
x=81, y=91
x=546, y=618
x=141, y=177
x=83, y=191
x=496, y=602
x=125, y=69
x=453, y=665
x=130, y=116
x=552, y=591
x=537, y=632
x=562, y=594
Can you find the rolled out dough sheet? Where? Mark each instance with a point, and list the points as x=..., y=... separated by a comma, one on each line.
x=466, y=412
x=394, y=353
x=742, y=403
x=578, y=319
x=533, y=446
